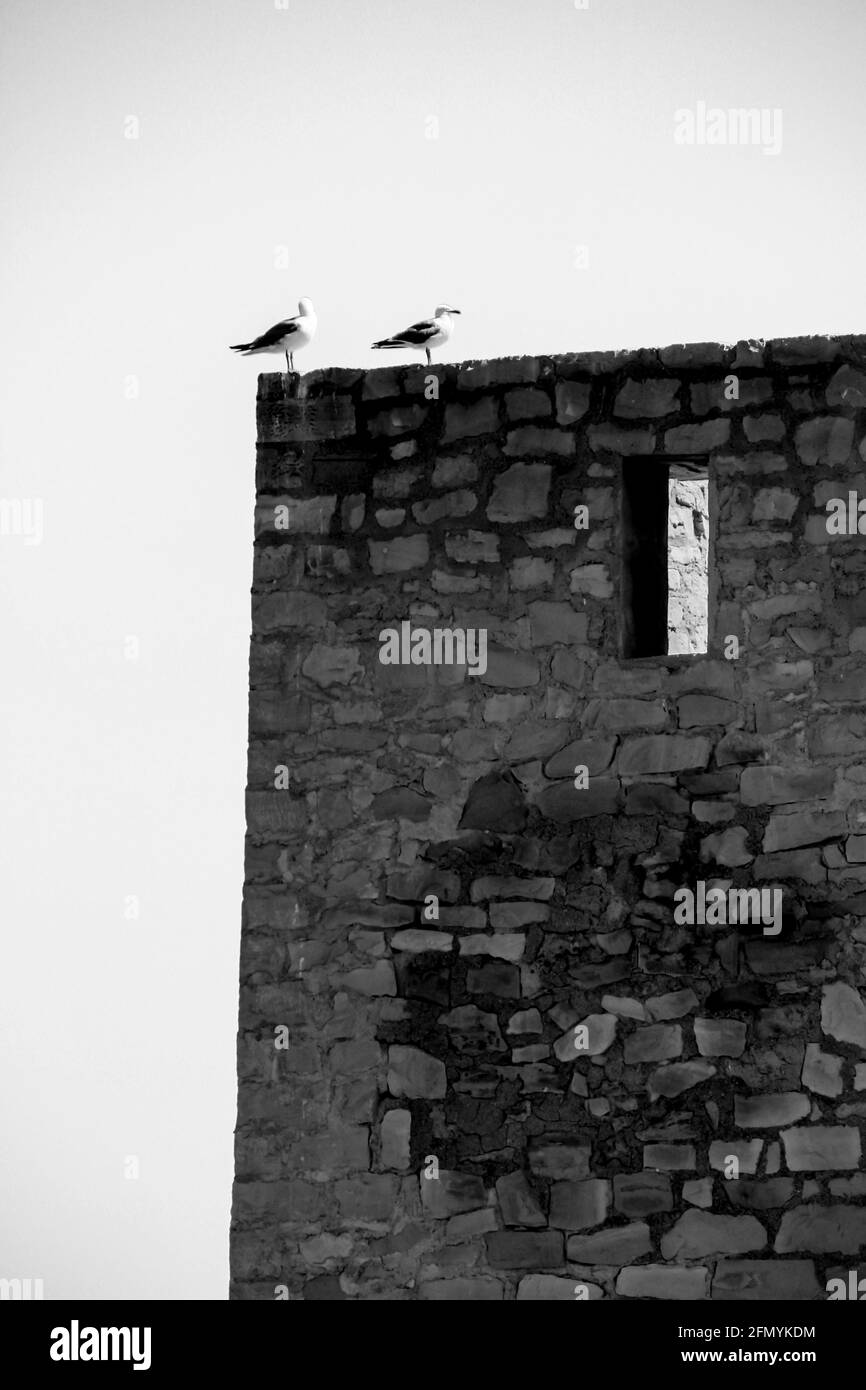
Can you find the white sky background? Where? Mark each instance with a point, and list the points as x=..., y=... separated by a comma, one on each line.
x=302, y=127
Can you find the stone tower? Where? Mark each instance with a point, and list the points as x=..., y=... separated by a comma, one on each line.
x=553, y=932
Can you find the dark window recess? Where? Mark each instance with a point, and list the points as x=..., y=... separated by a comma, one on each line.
x=665, y=558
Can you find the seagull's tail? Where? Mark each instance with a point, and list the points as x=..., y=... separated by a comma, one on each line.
x=240, y=347
x=390, y=343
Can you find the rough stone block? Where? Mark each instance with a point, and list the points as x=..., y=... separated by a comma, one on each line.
x=641, y=1194
x=594, y=754
x=843, y=1014
x=395, y=1132
x=538, y=1250
x=395, y=484
x=674, y=1158
x=414, y=1073
x=738, y=747
x=705, y=396
x=556, y=622
x=469, y=421
x=401, y=419
x=720, y=1037
x=765, y=1194
x=803, y=864
x=802, y=828
x=697, y=439
x=511, y=670
x=472, y=1029
x=572, y=401
x=773, y=786
x=770, y=1111
x=659, y=1042
x=828, y=439
x=530, y=572
x=698, y=1234
x=539, y=889
x=527, y=403
x=674, y=1005
x=560, y=1162
x=452, y=470
x=366, y=1197
x=681, y=356
x=746, y=1151
x=847, y=387
x=467, y=1224
x=479, y=1288
x=590, y=1037
x=651, y=799
x=819, y=1148
x=565, y=803
x=612, y=439
x=663, y=753
x=502, y=371
x=729, y=848
x=451, y=1192
x=372, y=980
x=459, y=503
x=578, y=1206
x=497, y=977
x=592, y=580
x=551, y=1288
x=530, y=439
x=618, y=1245
x=626, y=714
x=517, y=1201
x=694, y=711
x=401, y=803
x=678, y=1077
x=663, y=1281
x=781, y=1281
x=698, y=1192
x=822, y=1072
x=641, y=400
x=520, y=493
x=398, y=555
x=761, y=429
x=837, y=1230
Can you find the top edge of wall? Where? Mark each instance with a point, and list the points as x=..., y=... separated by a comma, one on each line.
x=480, y=374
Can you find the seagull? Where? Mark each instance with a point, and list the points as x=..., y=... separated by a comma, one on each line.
x=287, y=336
x=426, y=334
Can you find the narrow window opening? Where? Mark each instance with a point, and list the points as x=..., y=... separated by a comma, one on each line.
x=665, y=558
x=688, y=563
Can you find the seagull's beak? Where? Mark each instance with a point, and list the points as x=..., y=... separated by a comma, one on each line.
x=454, y=311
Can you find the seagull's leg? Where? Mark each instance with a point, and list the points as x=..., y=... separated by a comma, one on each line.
x=429, y=358
x=288, y=368
x=292, y=359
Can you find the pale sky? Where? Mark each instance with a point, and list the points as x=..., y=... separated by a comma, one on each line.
x=130, y=265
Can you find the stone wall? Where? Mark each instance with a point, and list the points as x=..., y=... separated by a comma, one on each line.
x=482, y=1054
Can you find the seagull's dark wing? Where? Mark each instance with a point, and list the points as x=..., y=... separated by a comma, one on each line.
x=416, y=336
x=276, y=334
x=419, y=332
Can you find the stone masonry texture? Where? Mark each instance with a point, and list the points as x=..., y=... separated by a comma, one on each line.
x=478, y=1056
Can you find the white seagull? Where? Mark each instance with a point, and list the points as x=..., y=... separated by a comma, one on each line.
x=426, y=334
x=287, y=336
